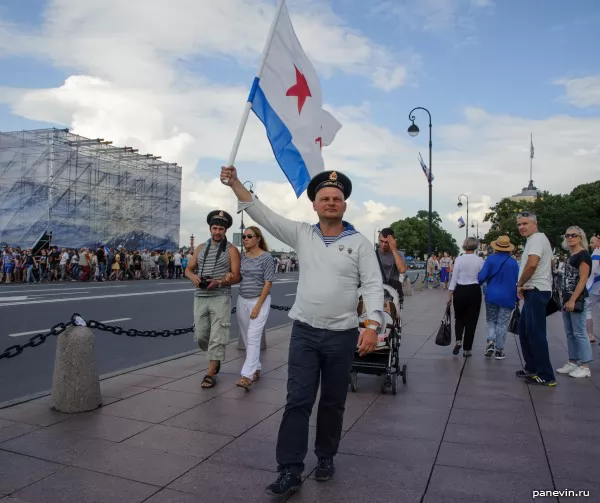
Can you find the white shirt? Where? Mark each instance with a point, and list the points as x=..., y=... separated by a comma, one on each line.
x=466, y=270
x=63, y=259
x=177, y=258
x=327, y=294
x=593, y=283
x=538, y=244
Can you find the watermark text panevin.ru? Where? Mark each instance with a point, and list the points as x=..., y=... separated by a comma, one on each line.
x=568, y=493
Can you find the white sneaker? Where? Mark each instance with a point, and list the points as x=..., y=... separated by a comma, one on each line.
x=567, y=368
x=581, y=372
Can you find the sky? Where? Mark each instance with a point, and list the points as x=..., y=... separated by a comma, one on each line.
x=171, y=78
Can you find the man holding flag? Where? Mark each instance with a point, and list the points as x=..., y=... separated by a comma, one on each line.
x=336, y=259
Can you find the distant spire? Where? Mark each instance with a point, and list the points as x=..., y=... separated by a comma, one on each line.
x=531, y=160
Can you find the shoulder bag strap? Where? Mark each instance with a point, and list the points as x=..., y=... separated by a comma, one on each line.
x=385, y=280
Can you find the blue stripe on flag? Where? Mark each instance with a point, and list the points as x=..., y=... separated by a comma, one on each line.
x=289, y=158
x=253, y=89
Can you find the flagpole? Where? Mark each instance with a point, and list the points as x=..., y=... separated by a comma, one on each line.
x=248, y=107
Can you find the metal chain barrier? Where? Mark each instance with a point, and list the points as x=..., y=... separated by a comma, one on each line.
x=59, y=328
x=36, y=340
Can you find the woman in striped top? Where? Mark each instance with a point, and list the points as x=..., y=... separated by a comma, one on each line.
x=254, y=301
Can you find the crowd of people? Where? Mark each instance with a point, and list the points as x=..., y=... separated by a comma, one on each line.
x=542, y=285
x=337, y=265
x=85, y=264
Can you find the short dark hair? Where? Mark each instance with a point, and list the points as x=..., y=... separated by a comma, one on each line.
x=387, y=232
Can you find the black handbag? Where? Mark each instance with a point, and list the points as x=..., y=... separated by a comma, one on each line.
x=513, y=326
x=555, y=304
x=578, y=303
x=444, y=335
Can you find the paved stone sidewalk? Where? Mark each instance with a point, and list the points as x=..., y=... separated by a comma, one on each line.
x=458, y=431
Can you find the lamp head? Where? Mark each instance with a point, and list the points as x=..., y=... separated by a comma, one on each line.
x=413, y=129
x=459, y=203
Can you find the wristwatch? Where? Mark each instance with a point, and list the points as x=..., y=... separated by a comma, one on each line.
x=375, y=327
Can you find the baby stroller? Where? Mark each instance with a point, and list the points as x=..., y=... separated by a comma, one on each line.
x=385, y=359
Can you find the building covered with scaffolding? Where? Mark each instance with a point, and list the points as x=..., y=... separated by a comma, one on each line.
x=85, y=192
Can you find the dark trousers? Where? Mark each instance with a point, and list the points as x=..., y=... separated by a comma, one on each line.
x=467, y=304
x=315, y=356
x=532, y=334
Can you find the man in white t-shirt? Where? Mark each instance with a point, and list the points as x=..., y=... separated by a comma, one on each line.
x=535, y=289
x=593, y=286
x=177, y=259
x=64, y=259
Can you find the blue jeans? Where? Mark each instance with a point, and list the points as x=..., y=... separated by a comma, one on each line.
x=315, y=356
x=498, y=318
x=532, y=334
x=578, y=344
x=30, y=278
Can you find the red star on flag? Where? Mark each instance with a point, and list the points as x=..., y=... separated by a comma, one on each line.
x=299, y=89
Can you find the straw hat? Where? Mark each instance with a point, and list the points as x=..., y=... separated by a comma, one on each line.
x=502, y=244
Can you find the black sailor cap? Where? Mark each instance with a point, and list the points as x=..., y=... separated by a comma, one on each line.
x=329, y=179
x=219, y=217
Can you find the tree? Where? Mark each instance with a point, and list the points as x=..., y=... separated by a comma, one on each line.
x=555, y=213
x=412, y=236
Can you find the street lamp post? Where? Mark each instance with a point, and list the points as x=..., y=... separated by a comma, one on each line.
x=242, y=227
x=473, y=226
x=376, y=231
x=460, y=206
x=413, y=130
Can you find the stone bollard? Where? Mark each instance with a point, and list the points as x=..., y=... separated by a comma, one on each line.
x=76, y=384
x=407, y=287
x=263, y=342
x=418, y=285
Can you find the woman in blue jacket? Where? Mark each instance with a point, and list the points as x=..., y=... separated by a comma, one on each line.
x=501, y=273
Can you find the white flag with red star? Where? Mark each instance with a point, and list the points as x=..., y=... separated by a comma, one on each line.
x=287, y=99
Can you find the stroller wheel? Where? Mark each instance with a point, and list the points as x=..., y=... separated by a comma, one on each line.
x=387, y=383
x=404, y=373
x=353, y=381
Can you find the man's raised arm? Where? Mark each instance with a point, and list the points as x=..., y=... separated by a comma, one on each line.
x=282, y=228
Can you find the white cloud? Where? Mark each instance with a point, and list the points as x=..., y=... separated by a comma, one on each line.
x=149, y=42
x=583, y=92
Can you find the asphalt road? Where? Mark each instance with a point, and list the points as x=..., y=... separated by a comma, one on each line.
x=145, y=305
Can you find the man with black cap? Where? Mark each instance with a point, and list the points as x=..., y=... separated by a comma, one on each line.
x=213, y=268
x=336, y=260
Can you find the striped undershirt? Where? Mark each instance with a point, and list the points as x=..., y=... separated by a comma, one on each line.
x=328, y=240
x=255, y=271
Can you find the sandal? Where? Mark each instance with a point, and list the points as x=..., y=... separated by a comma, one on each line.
x=208, y=382
x=245, y=383
x=256, y=375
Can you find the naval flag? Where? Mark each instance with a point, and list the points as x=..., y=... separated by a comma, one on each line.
x=425, y=169
x=286, y=97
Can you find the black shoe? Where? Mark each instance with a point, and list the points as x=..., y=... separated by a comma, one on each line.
x=523, y=373
x=500, y=355
x=489, y=350
x=325, y=469
x=456, y=349
x=538, y=381
x=286, y=483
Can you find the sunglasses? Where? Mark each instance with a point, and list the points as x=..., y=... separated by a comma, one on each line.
x=248, y=236
x=526, y=214
x=571, y=236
